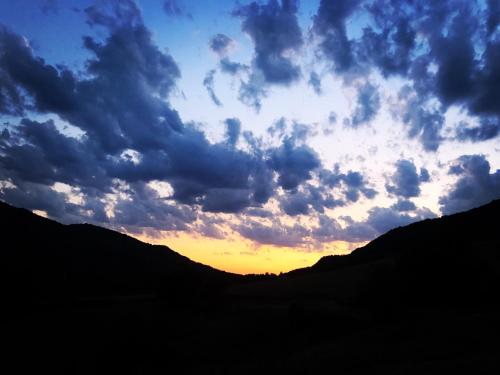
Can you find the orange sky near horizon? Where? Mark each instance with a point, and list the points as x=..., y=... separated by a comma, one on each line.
x=242, y=256
x=239, y=255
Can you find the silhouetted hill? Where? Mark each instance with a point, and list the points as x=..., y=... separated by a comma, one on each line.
x=449, y=260
x=43, y=259
x=470, y=234
x=454, y=257
x=422, y=299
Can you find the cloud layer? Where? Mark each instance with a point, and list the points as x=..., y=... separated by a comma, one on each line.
x=103, y=142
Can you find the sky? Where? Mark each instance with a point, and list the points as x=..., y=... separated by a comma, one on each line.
x=250, y=136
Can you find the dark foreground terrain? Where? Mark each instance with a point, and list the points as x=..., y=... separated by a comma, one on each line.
x=79, y=299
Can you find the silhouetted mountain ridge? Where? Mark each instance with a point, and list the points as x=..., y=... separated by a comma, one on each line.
x=458, y=255
x=452, y=259
x=430, y=235
x=418, y=299
x=46, y=259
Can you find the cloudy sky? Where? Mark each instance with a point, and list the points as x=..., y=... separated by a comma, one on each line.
x=250, y=136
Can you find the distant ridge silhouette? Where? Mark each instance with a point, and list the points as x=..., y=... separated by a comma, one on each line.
x=454, y=259
x=86, y=260
x=468, y=231
x=44, y=259
x=421, y=299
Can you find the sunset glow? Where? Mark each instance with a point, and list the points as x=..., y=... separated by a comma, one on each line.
x=249, y=136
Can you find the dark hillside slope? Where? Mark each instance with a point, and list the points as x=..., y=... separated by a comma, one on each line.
x=450, y=260
x=45, y=260
x=454, y=259
x=419, y=300
x=466, y=232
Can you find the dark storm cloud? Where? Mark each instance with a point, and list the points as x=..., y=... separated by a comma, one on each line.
x=389, y=43
x=386, y=42
x=220, y=44
x=295, y=132
x=464, y=76
x=455, y=59
x=454, y=54
x=329, y=127
x=315, y=82
x=487, y=93
x=204, y=174
x=58, y=158
x=422, y=123
x=145, y=208
x=294, y=163
x=310, y=197
x=173, y=8
x=405, y=182
x=320, y=198
x=278, y=128
x=277, y=234
x=274, y=30
x=404, y=205
x=208, y=82
x=295, y=204
x=258, y=212
x=233, y=130
x=231, y=67
x=197, y=167
x=475, y=185
x=51, y=88
x=253, y=91
x=227, y=200
x=329, y=25
x=493, y=16
x=114, y=14
x=132, y=136
x=40, y=197
x=487, y=128
x=357, y=184
x=328, y=229
x=128, y=62
x=121, y=105
x=385, y=219
x=334, y=189
x=11, y=100
x=445, y=62
x=426, y=126
x=353, y=183
x=380, y=220
x=210, y=227
x=424, y=175
x=447, y=50
x=368, y=105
